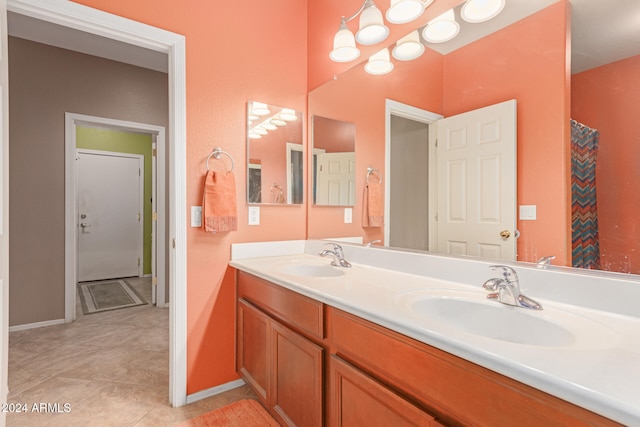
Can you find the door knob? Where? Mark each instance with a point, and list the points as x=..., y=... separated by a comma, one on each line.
x=505, y=234
x=84, y=225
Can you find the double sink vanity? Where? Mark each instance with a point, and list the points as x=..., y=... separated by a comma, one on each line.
x=410, y=337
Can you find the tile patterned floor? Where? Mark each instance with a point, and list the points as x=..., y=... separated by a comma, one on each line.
x=110, y=369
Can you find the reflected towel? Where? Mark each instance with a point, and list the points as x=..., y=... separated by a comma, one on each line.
x=372, y=206
x=219, y=211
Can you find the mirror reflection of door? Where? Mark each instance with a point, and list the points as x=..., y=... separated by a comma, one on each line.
x=434, y=203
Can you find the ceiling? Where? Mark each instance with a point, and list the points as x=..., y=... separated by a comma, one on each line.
x=602, y=32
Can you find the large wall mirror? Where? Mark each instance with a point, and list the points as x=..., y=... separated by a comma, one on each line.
x=275, y=159
x=333, y=164
x=543, y=118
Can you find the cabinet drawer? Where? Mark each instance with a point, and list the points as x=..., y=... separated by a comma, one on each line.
x=299, y=311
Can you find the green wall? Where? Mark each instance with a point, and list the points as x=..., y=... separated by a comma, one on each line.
x=130, y=143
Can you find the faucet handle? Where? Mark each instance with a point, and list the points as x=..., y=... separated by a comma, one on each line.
x=508, y=273
x=336, y=248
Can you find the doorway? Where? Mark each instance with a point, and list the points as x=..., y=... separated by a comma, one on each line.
x=97, y=24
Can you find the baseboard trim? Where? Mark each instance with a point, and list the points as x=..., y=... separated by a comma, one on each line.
x=35, y=325
x=203, y=394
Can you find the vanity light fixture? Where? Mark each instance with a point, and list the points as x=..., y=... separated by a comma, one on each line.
x=442, y=28
x=379, y=63
x=408, y=47
x=344, y=44
x=370, y=31
x=403, y=11
x=253, y=135
x=475, y=11
x=277, y=122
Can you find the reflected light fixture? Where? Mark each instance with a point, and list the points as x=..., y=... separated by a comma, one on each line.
x=259, y=108
x=403, y=11
x=379, y=63
x=475, y=11
x=408, y=47
x=442, y=28
x=288, y=115
x=344, y=44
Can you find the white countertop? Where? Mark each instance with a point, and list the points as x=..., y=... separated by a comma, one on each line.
x=599, y=370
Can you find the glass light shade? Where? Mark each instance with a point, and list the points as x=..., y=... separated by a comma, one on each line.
x=344, y=45
x=372, y=29
x=408, y=47
x=269, y=126
x=441, y=29
x=288, y=115
x=278, y=122
x=379, y=63
x=253, y=135
x=259, y=108
x=475, y=11
x=259, y=130
x=403, y=11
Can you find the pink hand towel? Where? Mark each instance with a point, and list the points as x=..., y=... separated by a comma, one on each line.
x=219, y=209
x=372, y=207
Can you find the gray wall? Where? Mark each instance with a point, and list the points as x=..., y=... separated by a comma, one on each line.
x=44, y=83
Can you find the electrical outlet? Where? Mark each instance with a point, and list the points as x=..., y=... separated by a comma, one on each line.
x=254, y=215
x=196, y=216
x=348, y=215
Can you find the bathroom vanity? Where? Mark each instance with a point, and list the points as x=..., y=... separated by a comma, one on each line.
x=406, y=338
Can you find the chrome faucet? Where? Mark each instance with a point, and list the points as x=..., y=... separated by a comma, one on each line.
x=506, y=289
x=545, y=261
x=337, y=255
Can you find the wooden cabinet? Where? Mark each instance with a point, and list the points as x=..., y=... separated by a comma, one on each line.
x=291, y=349
x=282, y=366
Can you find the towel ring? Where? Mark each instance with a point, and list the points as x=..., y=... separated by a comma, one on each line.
x=371, y=171
x=216, y=153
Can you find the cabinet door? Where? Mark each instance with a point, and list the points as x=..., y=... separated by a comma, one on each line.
x=253, y=349
x=296, y=382
x=355, y=399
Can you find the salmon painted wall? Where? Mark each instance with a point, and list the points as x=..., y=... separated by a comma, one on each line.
x=607, y=99
x=526, y=61
x=235, y=51
x=359, y=98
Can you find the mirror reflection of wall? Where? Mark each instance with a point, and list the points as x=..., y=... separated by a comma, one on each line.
x=333, y=163
x=274, y=154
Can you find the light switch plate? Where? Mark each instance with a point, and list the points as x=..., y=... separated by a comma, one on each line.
x=527, y=212
x=348, y=215
x=196, y=216
x=254, y=215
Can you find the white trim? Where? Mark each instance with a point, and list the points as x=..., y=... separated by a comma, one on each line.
x=394, y=108
x=291, y=146
x=203, y=394
x=76, y=16
x=36, y=325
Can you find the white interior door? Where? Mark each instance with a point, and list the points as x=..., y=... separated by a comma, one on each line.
x=477, y=182
x=4, y=213
x=110, y=191
x=336, y=179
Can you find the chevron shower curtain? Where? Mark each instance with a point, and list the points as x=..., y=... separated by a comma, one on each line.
x=584, y=212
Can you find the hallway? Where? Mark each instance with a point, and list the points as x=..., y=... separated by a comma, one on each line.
x=104, y=369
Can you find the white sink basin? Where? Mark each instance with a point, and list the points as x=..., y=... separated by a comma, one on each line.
x=309, y=269
x=472, y=314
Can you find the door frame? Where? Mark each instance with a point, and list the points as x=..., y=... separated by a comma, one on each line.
x=76, y=211
x=395, y=108
x=93, y=21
